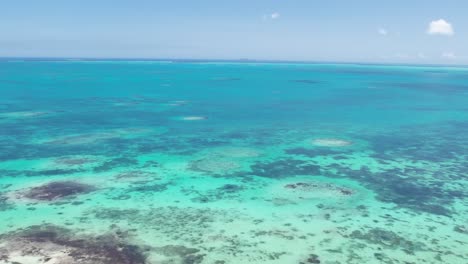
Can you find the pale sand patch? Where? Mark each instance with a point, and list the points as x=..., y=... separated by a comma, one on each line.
x=331, y=142
x=23, y=114
x=193, y=118
x=216, y=166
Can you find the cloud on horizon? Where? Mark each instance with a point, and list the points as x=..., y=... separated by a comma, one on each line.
x=449, y=55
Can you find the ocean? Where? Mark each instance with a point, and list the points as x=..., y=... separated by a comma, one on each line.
x=168, y=162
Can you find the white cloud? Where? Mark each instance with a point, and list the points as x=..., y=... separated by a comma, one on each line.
x=449, y=55
x=275, y=15
x=383, y=31
x=440, y=27
x=271, y=16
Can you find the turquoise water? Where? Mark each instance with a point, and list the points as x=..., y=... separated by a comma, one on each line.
x=160, y=162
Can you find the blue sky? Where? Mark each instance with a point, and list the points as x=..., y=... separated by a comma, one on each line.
x=332, y=30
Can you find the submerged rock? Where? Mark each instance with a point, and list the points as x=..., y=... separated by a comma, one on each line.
x=461, y=229
x=312, y=258
x=57, y=190
x=51, y=244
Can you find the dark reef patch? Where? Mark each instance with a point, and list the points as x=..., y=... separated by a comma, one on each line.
x=319, y=186
x=433, y=189
x=180, y=223
x=181, y=254
x=312, y=258
x=315, y=152
x=50, y=172
x=230, y=188
x=416, y=146
x=5, y=204
x=115, y=163
x=461, y=229
x=284, y=168
x=227, y=191
x=73, y=161
x=58, y=190
x=136, y=174
x=52, y=244
x=151, y=188
x=394, y=186
x=116, y=214
x=388, y=239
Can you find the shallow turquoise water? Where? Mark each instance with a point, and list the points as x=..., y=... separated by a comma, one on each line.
x=232, y=163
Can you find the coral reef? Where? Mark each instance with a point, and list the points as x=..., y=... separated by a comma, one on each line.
x=4, y=203
x=57, y=190
x=388, y=239
x=227, y=191
x=52, y=244
x=180, y=254
x=284, y=168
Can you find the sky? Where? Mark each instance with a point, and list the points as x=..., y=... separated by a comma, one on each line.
x=397, y=31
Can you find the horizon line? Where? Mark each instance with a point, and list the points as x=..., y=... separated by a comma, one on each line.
x=240, y=60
